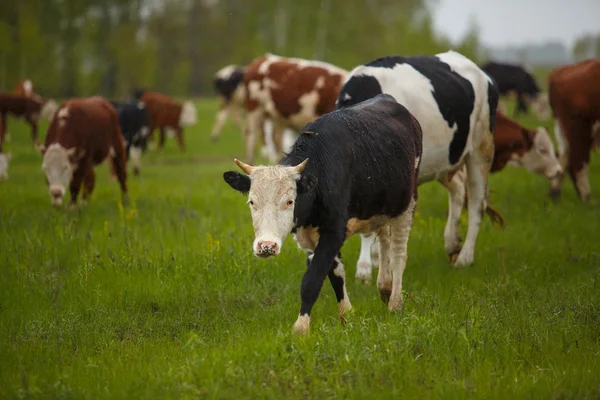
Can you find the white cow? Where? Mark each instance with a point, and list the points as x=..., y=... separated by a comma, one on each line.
x=455, y=103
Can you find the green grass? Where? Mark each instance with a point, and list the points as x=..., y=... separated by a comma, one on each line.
x=163, y=299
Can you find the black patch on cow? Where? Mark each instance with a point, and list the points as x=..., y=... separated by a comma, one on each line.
x=453, y=94
x=492, y=104
x=227, y=86
x=359, y=88
x=132, y=119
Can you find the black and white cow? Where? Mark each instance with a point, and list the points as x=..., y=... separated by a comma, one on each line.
x=134, y=122
x=455, y=103
x=515, y=78
x=361, y=178
x=229, y=84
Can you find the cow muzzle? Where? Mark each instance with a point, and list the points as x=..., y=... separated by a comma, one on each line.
x=56, y=195
x=266, y=248
x=554, y=172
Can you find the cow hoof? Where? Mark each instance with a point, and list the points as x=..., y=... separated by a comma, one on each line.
x=462, y=261
x=214, y=139
x=345, y=310
x=136, y=171
x=302, y=325
x=385, y=295
x=395, y=303
x=555, y=195
x=453, y=255
x=363, y=272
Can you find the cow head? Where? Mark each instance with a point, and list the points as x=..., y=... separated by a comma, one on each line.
x=4, y=159
x=49, y=107
x=540, y=157
x=272, y=193
x=188, y=116
x=58, y=165
x=540, y=105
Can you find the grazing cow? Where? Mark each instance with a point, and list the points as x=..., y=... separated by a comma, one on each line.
x=21, y=107
x=229, y=84
x=291, y=92
x=455, y=103
x=362, y=177
x=513, y=145
x=4, y=159
x=165, y=113
x=575, y=101
x=25, y=89
x=514, y=78
x=81, y=135
x=134, y=122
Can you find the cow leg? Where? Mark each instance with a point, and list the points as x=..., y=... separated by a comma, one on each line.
x=328, y=248
x=478, y=166
x=89, y=181
x=384, y=277
x=563, y=159
x=238, y=118
x=579, y=160
x=135, y=154
x=220, y=119
x=254, y=120
x=119, y=164
x=456, y=197
x=34, y=128
x=364, y=266
x=75, y=184
x=179, y=137
x=337, y=277
x=161, y=137
x=278, y=129
x=400, y=231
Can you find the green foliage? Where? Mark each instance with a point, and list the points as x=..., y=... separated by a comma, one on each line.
x=109, y=47
x=163, y=298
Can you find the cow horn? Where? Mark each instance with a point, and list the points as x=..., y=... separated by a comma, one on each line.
x=300, y=167
x=244, y=167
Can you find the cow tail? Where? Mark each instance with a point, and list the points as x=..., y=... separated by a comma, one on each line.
x=495, y=217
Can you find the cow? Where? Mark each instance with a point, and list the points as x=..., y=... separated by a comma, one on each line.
x=291, y=92
x=455, y=103
x=514, y=145
x=20, y=107
x=574, y=92
x=81, y=135
x=165, y=113
x=350, y=171
x=4, y=159
x=516, y=79
x=229, y=85
x=24, y=88
x=134, y=122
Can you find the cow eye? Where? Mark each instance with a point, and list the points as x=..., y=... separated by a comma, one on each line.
x=251, y=202
x=290, y=202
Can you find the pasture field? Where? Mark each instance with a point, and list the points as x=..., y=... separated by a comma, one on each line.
x=162, y=298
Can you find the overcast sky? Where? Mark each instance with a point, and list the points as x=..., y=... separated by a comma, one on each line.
x=504, y=22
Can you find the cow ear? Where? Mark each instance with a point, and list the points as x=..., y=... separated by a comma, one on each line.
x=306, y=184
x=237, y=181
x=527, y=137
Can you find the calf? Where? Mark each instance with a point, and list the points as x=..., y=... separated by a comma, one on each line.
x=134, y=122
x=229, y=84
x=575, y=101
x=516, y=79
x=291, y=92
x=81, y=135
x=361, y=178
x=166, y=113
x=455, y=103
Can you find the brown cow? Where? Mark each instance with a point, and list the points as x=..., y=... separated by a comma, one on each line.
x=575, y=100
x=82, y=134
x=21, y=107
x=165, y=113
x=291, y=92
x=25, y=89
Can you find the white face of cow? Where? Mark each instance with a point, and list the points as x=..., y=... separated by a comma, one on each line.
x=188, y=116
x=541, y=106
x=4, y=159
x=272, y=193
x=541, y=158
x=58, y=166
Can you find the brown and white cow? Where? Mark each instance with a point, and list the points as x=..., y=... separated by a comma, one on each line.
x=575, y=100
x=49, y=106
x=82, y=134
x=167, y=114
x=291, y=92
